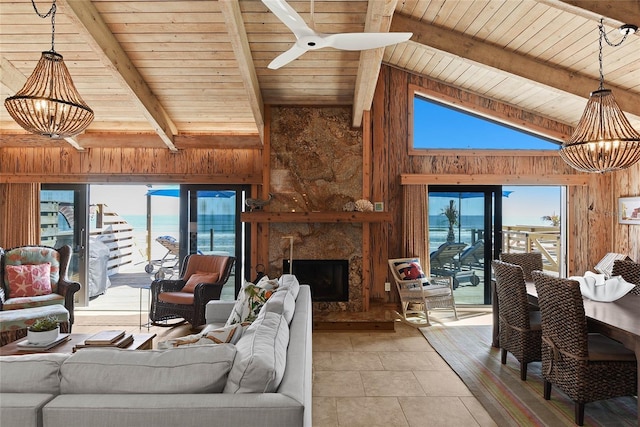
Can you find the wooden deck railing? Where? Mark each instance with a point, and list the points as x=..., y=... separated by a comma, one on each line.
x=546, y=240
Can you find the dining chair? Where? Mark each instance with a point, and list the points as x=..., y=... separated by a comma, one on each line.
x=630, y=271
x=586, y=367
x=529, y=261
x=415, y=288
x=520, y=331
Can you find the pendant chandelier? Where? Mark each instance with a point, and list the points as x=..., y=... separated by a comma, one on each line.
x=603, y=140
x=49, y=103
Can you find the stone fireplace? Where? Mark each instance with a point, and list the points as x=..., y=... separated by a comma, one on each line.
x=316, y=166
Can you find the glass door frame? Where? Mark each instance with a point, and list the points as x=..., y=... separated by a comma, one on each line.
x=189, y=223
x=492, y=223
x=80, y=233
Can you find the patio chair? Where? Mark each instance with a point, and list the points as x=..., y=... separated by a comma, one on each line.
x=520, y=331
x=416, y=290
x=201, y=280
x=444, y=261
x=585, y=366
x=529, y=261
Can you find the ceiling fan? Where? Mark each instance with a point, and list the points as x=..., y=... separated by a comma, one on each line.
x=308, y=39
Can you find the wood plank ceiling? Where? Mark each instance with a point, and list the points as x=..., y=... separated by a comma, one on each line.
x=179, y=74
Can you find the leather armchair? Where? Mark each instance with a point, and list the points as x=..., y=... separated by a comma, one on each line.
x=201, y=280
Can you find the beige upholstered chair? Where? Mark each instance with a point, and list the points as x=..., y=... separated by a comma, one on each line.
x=415, y=289
x=585, y=366
x=520, y=331
x=529, y=261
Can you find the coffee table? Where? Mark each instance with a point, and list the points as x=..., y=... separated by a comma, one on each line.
x=140, y=342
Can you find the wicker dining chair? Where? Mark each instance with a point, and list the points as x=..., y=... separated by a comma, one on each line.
x=630, y=271
x=520, y=331
x=529, y=261
x=587, y=367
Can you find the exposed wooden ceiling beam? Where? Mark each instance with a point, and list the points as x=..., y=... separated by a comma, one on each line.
x=92, y=27
x=379, y=14
x=238, y=38
x=615, y=13
x=494, y=56
x=14, y=80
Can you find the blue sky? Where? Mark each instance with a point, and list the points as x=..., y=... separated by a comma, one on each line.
x=438, y=126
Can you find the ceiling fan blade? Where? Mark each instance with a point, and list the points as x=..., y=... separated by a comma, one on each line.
x=289, y=17
x=364, y=41
x=286, y=57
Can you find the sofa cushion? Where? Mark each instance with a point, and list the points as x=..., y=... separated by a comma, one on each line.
x=261, y=356
x=225, y=335
x=197, y=369
x=200, y=277
x=281, y=302
x=29, y=280
x=290, y=281
x=31, y=302
x=31, y=373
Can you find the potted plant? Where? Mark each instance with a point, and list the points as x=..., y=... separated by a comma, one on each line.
x=43, y=331
x=452, y=216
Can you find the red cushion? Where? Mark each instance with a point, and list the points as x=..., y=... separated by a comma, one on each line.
x=29, y=280
x=200, y=277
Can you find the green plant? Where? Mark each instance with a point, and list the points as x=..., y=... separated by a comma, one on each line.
x=451, y=213
x=48, y=323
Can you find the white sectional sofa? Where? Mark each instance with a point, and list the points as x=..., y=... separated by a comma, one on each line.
x=262, y=380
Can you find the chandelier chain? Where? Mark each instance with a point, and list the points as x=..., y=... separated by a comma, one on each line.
x=52, y=13
x=603, y=35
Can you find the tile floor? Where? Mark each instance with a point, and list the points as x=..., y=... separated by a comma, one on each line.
x=389, y=379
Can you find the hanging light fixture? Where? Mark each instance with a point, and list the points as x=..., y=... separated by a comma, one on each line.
x=603, y=140
x=49, y=103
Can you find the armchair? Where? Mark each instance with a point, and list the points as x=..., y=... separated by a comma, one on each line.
x=201, y=280
x=29, y=288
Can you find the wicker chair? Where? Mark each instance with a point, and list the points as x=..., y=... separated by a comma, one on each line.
x=529, y=261
x=520, y=332
x=587, y=367
x=186, y=297
x=415, y=289
x=630, y=271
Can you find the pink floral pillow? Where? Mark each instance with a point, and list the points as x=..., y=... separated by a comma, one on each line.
x=28, y=280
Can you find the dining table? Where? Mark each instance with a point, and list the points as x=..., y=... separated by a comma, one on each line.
x=619, y=320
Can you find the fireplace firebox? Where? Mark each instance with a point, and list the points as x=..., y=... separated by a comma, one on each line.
x=328, y=278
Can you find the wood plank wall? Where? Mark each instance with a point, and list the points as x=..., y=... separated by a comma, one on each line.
x=136, y=165
x=590, y=231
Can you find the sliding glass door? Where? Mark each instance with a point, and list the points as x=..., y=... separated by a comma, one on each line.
x=463, y=238
x=210, y=224
x=64, y=219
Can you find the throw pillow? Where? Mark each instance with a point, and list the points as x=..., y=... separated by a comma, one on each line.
x=249, y=303
x=29, y=280
x=410, y=270
x=200, y=277
x=228, y=334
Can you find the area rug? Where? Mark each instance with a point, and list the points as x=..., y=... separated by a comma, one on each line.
x=510, y=401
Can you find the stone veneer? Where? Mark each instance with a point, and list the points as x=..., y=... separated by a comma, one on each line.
x=316, y=165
